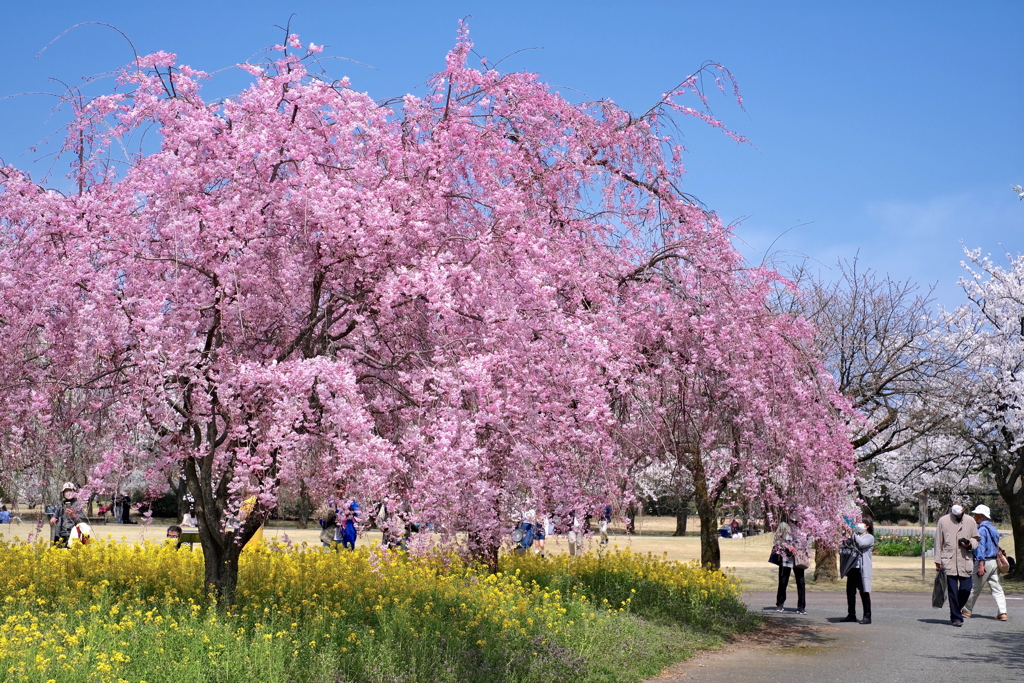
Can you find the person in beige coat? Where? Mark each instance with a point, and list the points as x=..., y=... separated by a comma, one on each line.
x=956, y=537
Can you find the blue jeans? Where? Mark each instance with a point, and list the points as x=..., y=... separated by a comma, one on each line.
x=958, y=590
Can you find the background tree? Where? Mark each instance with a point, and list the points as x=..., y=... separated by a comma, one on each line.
x=733, y=394
x=994, y=410
x=888, y=350
x=668, y=488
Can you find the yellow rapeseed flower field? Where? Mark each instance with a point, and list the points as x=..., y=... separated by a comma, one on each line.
x=110, y=612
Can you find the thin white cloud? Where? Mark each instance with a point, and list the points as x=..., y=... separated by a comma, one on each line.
x=918, y=240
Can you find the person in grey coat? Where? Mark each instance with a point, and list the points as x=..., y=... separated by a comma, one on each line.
x=859, y=578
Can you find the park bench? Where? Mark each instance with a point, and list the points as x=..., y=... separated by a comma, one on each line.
x=189, y=537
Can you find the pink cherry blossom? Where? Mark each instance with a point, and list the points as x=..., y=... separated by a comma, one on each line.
x=465, y=304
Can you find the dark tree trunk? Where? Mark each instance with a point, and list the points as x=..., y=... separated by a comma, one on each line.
x=1015, y=503
x=1007, y=462
x=221, y=552
x=305, y=507
x=221, y=548
x=710, y=552
x=682, y=516
x=631, y=512
x=221, y=571
x=706, y=500
x=826, y=564
x=484, y=552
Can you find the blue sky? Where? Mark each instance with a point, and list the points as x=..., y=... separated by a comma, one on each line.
x=888, y=130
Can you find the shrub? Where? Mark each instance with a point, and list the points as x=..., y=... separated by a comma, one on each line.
x=900, y=546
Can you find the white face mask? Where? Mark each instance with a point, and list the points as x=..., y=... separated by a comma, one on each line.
x=957, y=510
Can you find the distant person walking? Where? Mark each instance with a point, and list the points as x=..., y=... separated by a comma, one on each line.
x=328, y=526
x=602, y=526
x=574, y=534
x=69, y=513
x=987, y=567
x=858, y=579
x=526, y=533
x=956, y=537
x=791, y=544
x=348, y=529
x=332, y=521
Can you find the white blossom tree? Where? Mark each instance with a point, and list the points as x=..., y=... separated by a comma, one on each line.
x=994, y=411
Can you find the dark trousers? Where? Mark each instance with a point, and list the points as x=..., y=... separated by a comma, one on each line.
x=854, y=585
x=958, y=589
x=801, y=592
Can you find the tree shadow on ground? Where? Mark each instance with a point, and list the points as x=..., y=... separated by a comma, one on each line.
x=786, y=632
x=934, y=621
x=993, y=648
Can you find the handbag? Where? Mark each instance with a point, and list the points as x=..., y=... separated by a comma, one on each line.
x=1002, y=563
x=939, y=590
x=775, y=558
x=849, y=554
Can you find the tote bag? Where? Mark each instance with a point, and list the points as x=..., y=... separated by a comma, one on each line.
x=1002, y=563
x=849, y=554
x=939, y=590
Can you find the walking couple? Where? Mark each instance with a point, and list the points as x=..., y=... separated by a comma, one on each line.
x=965, y=548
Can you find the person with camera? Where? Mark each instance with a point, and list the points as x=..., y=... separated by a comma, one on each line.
x=956, y=537
x=858, y=579
x=791, y=544
x=68, y=514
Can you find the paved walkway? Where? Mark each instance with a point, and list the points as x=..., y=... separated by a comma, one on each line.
x=908, y=642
